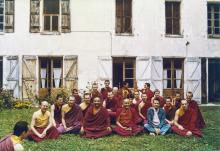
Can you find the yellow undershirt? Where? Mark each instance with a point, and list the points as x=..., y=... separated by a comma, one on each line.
x=180, y=111
x=42, y=120
x=15, y=140
x=66, y=108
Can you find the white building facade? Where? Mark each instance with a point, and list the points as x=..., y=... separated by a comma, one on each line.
x=49, y=44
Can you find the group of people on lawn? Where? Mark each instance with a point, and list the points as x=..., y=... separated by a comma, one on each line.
x=100, y=113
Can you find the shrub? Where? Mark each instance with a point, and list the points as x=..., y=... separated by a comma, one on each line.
x=6, y=98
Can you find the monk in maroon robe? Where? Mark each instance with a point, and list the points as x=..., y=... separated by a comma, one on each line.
x=85, y=104
x=184, y=123
x=125, y=92
x=143, y=107
x=194, y=108
x=41, y=125
x=135, y=103
x=148, y=91
x=95, y=92
x=96, y=122
x=117, y=97
x=170, y=111
x=78, y=98
x=13, y=142
x=72, y=117
x=158, y=97
x=111, y=105
x=106, y=89
x=56, y=111
x=127, y=120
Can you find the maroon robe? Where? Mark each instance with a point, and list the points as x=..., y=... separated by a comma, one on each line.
x=78, y=99
x=135, y=106
x=85, y=110
x=105, y=92
x=149, y=93
x=188, y=123
x=170, y=112
x=95, y=126
x=52, y=133
x=127, y=118
x=112, y=105
x=144, y=109
x=57, y=114
x=177, y=103
x=73, y=118
x=95, y=94
x=197, y=118
x=6, y=144
x=119, y=100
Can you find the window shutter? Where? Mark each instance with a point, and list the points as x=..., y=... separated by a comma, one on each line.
x=65, y=16
x=157, y=73
x=35, y=16
x=9, y=16
x=105, y=68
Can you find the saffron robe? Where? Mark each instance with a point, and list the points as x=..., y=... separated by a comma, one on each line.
x=127, y=118
x=95, y=125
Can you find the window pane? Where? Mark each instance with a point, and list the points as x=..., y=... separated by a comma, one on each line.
x=1, y=26
x=217, y=31
x=55, y=23
x=178, y=64
x=167, y=64
x=127, y=7
x=130, y=82
x=176, y=26
x=47, y=23
x=166, y=84
x=1, y=10
x=51, y=6
x=127, y=25
x=168, y=9
x=57, y=63
x=168, y=26
x=119, y=7
x=209, y=30
x=129, y=73
x=1, y=19
x=176, y=10
x=128, y=65
x=177, y=84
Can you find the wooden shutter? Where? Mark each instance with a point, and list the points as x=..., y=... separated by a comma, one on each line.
x=29, y=77
x=143, y=70
x=193, y=77
x=9, y=16
x=65, y=16
x=70, y=68
x=11, y=70
x=157, y=73
x=35, y=16
x=105, y=68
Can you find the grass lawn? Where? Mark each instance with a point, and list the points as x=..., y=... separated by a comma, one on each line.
x=171, y=142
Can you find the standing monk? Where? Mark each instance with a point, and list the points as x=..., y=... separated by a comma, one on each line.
x=127, y=120
x=148, y=91
x=13, y=142
x=96, y=122
x=158, y=97
x=78, y=98
x=125, y=92
x=95, y=92
x=184, y=123
x=177, y=100
x=56, y=111
x=195, y=111
x=41, y=125
x=72, y=117
x=106, y=89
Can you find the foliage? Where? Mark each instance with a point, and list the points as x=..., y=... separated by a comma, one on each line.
x=6, y=99
x=171, y=142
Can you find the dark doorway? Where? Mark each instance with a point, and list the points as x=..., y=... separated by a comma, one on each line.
x=214, y=80
x=204, y=80
x=1, y=72
x=123, y=70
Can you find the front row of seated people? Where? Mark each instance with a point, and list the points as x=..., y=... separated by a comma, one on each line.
x=92, y=120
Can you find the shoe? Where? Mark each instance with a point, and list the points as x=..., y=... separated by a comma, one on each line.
x=152, y=134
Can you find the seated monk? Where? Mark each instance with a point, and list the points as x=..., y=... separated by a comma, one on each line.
x=194, y=108
x=41, y=125
x=72, y=117
x=96, y=122
x=56, y=111
x=13, y=142
x=86, y=103
x=158, y=97
x=177, y=100
x=111, y=105
x=78, y=98
x=170, y=111
x=126, y=124
x=156, y=120
x=184, y=124
x=143, y=107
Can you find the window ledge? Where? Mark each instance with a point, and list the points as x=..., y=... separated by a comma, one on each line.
x=214, y=36
x=124, y=34
x=50, y=33
x=173, y=36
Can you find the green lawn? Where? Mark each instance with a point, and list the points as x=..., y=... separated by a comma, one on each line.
x=210, y=141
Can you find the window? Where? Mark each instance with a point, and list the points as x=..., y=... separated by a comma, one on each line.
x=123, y=16
x=1, y=72
x=55, y=17
x=7, y=16
x=123, y=70
x=213, y=19
x=172, y=11
x=172, y=76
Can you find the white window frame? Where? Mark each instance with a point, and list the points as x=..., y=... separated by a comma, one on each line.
x=42, y=31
